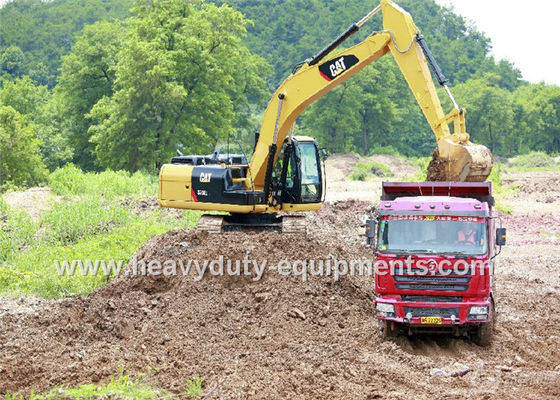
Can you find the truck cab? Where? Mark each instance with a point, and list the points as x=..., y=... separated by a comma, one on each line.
x=435, y=245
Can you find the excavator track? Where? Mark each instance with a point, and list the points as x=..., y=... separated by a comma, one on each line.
x=287, y=224
x=294, y=224
x=211, y=223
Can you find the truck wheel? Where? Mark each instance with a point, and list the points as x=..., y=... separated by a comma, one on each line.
x=389, y=329
x=484, y=332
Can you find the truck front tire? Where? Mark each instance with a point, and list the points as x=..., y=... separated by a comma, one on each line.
x=389, y=329
x=484, y=332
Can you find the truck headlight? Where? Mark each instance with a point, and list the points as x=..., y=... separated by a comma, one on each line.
x=385, y=310
x=478, y=313
x=477, y=310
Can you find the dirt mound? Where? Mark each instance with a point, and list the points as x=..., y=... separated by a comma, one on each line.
x=535, y=192
x=543, y=183
x=400, y=167
x=338, y=166
x=280, y=336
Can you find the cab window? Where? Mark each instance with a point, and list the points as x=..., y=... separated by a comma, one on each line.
x=310, y=173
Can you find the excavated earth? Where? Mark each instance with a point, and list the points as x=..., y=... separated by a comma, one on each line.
x=283, y=337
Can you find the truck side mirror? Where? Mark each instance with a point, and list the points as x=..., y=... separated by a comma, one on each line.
x=370, y=231
x=501, y=236
x=324, y=154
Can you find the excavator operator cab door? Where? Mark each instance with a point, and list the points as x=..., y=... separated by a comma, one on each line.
x=298, y=171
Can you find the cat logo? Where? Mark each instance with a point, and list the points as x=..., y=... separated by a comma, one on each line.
x=335, y=67
x=205, y=177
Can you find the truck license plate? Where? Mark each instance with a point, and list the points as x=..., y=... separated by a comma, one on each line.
x=431, y=320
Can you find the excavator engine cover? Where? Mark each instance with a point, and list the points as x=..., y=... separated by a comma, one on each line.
x=460, y=162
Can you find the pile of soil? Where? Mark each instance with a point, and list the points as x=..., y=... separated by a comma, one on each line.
x=339, y=166
x=280, y=337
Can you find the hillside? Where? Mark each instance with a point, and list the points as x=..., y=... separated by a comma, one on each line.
x=120, y=123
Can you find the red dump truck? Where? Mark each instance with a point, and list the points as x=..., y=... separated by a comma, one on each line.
x=435, y=245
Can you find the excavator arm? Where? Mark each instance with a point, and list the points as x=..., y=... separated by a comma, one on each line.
x=455, y=159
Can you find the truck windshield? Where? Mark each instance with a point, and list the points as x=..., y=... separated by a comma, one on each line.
x=432, y=235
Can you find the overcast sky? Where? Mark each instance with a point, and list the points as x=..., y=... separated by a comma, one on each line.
x=524, y=32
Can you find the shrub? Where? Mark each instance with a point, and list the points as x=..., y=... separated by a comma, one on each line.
x=20, y=161
x=534, y=159
x=496, y=176
x=388, y=150
x=70, y=180
x=362, y=171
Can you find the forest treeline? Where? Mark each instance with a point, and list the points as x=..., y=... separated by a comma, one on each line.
x=121, y=84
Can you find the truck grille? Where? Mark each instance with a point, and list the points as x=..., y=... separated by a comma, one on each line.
x=455, y=288
x=432, y=279
x=412, y=282
x=432, y=299
x=431, y=312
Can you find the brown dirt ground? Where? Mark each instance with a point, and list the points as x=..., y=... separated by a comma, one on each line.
x=536, y=193
x=285, y=338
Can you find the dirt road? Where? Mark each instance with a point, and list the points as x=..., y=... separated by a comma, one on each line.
x=281, y=337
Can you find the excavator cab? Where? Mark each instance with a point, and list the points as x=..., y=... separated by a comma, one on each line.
x=298, y=176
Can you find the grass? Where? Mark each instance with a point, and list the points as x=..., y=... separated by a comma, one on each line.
x=500, y=191
x=91, y=223
x=71, y=181
x=122, y=387
x=533, y=161
x=364, y=171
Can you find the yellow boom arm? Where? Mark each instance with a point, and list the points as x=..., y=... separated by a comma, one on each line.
x=400, y=36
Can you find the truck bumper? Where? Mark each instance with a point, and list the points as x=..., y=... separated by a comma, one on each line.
x=435, y=313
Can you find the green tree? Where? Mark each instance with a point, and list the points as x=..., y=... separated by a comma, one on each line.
x=35, y=104
x=24, y=96
x=87, y=75
x=40, y=74
x=335, y=119
x=537, y=118
x=20, y=162
x=489, y=115
x=181, y=75
x=12, y=62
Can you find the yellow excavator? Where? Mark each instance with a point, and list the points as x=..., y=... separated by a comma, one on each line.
x=284, y=173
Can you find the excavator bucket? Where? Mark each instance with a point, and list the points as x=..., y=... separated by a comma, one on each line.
x=460, y=162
